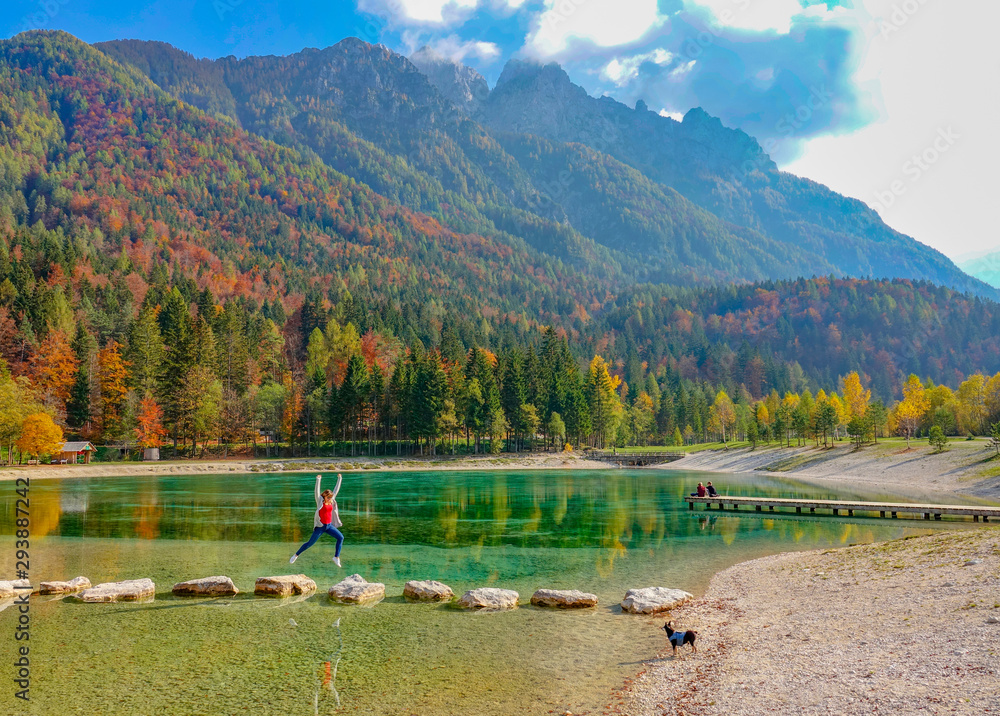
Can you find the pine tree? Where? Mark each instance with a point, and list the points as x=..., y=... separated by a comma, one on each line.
x=78, y=409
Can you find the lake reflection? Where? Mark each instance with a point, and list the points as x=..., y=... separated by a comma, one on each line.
x=599, y=531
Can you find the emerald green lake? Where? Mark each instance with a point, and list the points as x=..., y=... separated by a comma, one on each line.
x=601, y=531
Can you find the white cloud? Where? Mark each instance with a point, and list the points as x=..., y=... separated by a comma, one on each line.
x=624, y=70
x=676, y=116
x=934, y=68
x=604, y=24
x=682, y=69
x=428, y=12
x=758, y=15
x=452, y=47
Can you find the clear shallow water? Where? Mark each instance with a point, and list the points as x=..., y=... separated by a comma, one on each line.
x=601, y=531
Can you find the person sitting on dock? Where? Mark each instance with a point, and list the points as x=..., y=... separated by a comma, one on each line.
x=711, y=490
x=700, y=492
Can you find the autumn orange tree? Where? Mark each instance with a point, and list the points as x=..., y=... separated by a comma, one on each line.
x=112, y=375
x=149, y=430
x=53, y=370
x=40, y=435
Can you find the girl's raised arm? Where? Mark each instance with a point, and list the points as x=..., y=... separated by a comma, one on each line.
x=319, y=497
x=337, y=488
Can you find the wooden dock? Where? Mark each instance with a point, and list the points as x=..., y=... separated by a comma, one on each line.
x=634, y=459
x=849, y=507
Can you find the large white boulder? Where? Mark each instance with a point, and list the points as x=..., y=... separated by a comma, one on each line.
x=489, y=598
x=356, y=589
x=129, y=590
x=651, y=600
x=427, y=591
x=76, y=584
x=563, y=598
x=206, y=586
x=284, y=586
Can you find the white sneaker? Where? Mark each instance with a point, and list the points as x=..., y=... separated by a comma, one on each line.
x=336, y=561
x=292, y=560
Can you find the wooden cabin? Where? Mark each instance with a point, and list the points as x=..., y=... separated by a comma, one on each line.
x=70, y=453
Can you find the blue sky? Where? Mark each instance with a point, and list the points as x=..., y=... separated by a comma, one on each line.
x=856, y=94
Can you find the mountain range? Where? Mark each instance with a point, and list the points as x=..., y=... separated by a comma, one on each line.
x=344, y=184
x=984, y=266
x=578, y=178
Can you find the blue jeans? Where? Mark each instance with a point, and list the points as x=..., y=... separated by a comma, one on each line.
x=327, y=529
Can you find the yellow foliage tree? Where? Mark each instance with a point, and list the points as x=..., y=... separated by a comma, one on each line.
x=722, y=414
x=763, y=414
x=914, y=405
x=971, y=397
x=856, y=397
x=605, y=405
x=993, y=397
x=40, y=435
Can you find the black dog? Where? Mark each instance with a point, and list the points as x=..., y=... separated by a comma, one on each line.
x=679, y=638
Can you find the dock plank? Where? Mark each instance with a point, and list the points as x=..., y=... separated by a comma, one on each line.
x=929, y=511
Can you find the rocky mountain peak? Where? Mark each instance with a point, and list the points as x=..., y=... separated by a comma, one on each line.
x=460, y=84
x=373, y=82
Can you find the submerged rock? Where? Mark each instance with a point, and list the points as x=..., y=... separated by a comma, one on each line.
x=10, y=588
x=651, y=600
x=284, y=585
x=206, y=586
x=489, y=598
x=563, y=598
x=356, y=589
x=74, y=585
x=427, y=591
x=129, y=590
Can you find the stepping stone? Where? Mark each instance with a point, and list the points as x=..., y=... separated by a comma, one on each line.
x=130, y=590
x=563, y=599
x=284, y=586
x=206, y=586
x=74, y=585
x=651, y=600
x=428, y=591
x=11, y=588
x=356, y=589
x=489, y=598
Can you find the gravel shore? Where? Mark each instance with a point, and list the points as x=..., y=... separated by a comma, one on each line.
x=966, y=467
x=506, y=461
x=904, y=627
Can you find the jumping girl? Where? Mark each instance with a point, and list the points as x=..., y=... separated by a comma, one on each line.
x=326, y=520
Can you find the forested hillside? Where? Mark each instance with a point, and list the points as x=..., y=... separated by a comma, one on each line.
x=721, y=169
x=577, y=178
x=164, y=274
